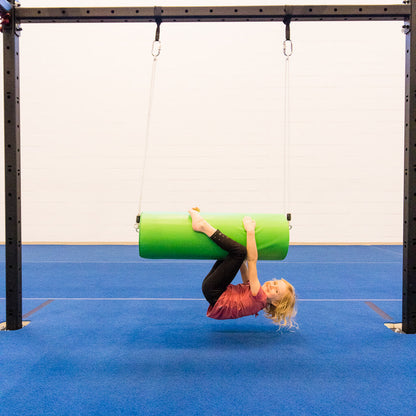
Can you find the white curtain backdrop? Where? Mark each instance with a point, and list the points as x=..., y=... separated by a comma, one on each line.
x=216, y=135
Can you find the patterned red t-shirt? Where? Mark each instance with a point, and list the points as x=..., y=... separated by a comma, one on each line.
x=237, y=301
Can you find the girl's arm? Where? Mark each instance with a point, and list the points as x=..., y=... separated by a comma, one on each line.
x=244, y=272
x=252, y=255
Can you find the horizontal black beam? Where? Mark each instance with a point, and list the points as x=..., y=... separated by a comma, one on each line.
x=213, y=14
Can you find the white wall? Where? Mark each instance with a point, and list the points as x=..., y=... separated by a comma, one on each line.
x=216, y=134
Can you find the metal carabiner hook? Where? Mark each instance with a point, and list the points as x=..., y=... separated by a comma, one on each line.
x=287, y=48
x=156, y=48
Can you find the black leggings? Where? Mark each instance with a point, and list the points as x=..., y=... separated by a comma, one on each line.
x=224, y=271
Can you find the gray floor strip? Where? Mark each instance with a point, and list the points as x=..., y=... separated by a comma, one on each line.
x=26, y=315
x=376, y=309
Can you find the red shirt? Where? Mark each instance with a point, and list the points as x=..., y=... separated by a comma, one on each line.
x=237, y=301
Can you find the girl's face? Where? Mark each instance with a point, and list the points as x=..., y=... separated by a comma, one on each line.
x=275, y=289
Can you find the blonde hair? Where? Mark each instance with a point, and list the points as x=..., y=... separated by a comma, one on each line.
x=282, y=311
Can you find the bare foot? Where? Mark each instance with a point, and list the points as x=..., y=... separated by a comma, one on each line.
x=198, y=222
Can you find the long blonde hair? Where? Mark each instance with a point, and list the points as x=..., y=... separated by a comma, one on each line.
x=283, y=311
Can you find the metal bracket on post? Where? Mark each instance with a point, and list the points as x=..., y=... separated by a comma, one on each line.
x=406, y=29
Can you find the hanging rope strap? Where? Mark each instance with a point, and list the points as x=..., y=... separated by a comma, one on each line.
x=287, y=44
x=156, y=43
x=287, y=51
x=156, y=48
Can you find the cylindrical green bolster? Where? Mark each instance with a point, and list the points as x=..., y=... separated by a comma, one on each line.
x=169, y=235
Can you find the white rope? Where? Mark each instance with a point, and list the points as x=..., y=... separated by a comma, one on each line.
x=286, y=139
x=155, y=53
x=286, y=136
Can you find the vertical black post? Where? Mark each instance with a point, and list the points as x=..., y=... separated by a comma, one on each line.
x=12, y=172
x=409, y=225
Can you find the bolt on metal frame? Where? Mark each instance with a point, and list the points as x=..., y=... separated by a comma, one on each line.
x=13, y=16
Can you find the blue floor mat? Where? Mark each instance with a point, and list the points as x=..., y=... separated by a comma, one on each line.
x=93, y=351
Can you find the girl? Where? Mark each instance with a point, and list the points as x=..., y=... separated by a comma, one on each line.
x=227, y=301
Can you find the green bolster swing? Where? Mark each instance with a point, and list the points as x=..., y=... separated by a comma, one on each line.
x=169, y=235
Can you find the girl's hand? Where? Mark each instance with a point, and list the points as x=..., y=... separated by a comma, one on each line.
x=249, y=224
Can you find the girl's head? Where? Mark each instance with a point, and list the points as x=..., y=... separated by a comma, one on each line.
x=281, y=302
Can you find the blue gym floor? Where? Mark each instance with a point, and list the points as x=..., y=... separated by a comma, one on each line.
x=128, y=336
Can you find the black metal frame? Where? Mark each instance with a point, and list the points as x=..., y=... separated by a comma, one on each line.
x=13, y=16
